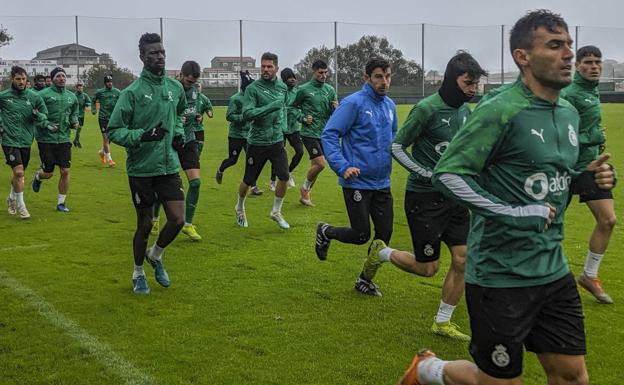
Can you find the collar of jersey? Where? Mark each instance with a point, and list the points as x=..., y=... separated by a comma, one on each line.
x=371, y=93
x=584, y=83
x=534, y=98
x=147, y=75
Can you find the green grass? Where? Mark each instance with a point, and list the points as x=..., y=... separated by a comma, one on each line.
x=246, y=306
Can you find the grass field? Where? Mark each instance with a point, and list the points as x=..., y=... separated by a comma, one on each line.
x=246, y=306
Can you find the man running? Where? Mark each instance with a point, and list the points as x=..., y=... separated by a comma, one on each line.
x=583, y=95
x=357, y=141
x=293, y=127
x=432, y=218
x=84, y=101
x=264, y=106
x=204, y=106
x=40, y=83
x=21, y=110
x=317, y=100
x=511, y=164
x=147, y=121
x=107, y=97
x=53, y=139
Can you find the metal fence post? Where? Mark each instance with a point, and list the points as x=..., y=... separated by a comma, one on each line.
x=502, y=54
x=336, y=57
x=77, y=51
x=422, y=53
x=576, y=35
x=162, y=36
x=240, y=47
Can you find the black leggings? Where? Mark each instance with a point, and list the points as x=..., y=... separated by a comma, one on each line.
x=295, y=141
x=235, y=146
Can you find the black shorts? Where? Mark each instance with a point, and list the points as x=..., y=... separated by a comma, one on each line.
x=81, y=121
x=103, y=125
x=257, y=156
x=374, y=204
x=586, y=188
x=16, y=156
x=146, y=191
x=235, y=146
x=543, y=319
x=189, y=157
x=199, y=135
x=313, y=145
x=53, y=154
x=433, y=219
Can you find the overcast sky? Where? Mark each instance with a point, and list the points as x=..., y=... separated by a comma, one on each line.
x=299, y=26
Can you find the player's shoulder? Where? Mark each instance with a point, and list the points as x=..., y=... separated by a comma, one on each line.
x=567, y=104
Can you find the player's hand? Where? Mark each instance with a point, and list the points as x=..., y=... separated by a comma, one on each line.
x=35, y=111
x=334, y=104
x=551, y=215
x=198, y=118
x=178, y=143
x=154, y=134
x=210, y=114
x=75, y=126
x=604, y=174
x=53, y=127
x=351, y=172
x=308, y=119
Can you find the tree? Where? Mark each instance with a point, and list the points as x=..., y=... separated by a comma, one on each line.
x=94, y=77
x=353, y=57
x=5, y=38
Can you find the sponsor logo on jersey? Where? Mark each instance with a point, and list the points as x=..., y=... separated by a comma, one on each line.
x=539, y=134
x=369, y=113
x=539, y=184
x=572, y=135
x=447, y=121
x=500, y=357
x=441, y=147
x=148, y=96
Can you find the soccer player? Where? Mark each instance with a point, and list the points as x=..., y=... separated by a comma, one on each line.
x=147, y=121
x=40, y=83
x=264, y=105
x=83, y=101
x=21, y=109
x=47, y=81
x=293, y=127
x=238, y=131
x=432, y=218
x=204, y=106
x=317, y=100
x=53, y=138
x=107, y=97
x=511, y=164
x=583, y=95
x=357, y=141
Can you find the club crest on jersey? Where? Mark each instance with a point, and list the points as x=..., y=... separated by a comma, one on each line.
x=441, y=147
x=170, y=95
x=357, y=196
x=428, y=250
x=572, y=135
x=500, y=357
x=194, y=95
x=391, y=115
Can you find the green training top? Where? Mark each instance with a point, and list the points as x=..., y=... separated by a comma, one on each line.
x=62, y=111
x=429, y=128
x=108, y=99
x=265, y=107
x=293, y=114
x=148, y=102
x=515, y=154
x=16, y=116
x=314, y=98
x=239, y=127
x=203, y=105
x=584, y=96
x=495, y=91
x=83, y=101
x=192, y=101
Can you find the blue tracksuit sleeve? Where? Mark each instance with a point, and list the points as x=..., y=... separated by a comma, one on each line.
x=337, y=127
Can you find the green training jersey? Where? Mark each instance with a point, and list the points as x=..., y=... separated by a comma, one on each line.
x=107, y=98
x=584, y=96
x=62, y=108
x=314, y=98
x=514, y=156
x=429, y=128
x=265, y=107
x=495, y=91
x=293, y=114
x=17, y=118
x=84, y=101
x=190, y=112
x=239, y=127
x=203, y=106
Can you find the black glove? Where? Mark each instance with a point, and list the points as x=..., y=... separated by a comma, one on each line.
x=154, y=134
x=178, y=143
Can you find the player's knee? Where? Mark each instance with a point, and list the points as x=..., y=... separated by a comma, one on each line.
x=430, y=269
x=579, y=377
x=195, y=184
x=144, y=225
x=608, y=222
x=64, y=172
x=19, y=174
x=362, y=238
x=458, y=262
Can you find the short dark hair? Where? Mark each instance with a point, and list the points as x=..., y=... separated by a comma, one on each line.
x=39, y=77
x=521, y=35
x=192, y=68
x=318, y=65
x=463, y=62
x=588, y=50
x=148, y=38
x=47, y=77
x=376, y=62
x=17, y=70
x=269, y=56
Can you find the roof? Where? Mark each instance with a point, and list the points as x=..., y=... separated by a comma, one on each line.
x=232, y=58
x=61, y=51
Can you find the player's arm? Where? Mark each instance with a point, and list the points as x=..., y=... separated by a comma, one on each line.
x=73, y=115
x=409, y=133
x=234, y=113
x=87, y=101
x=208, y=106
x=337, y=126
x=94, y=101
x=119, y=131
x=466, y=156
x=179, y=127
x=251, y=112
x=41, y=116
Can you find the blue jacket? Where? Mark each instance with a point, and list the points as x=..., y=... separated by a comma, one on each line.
x=359, y=134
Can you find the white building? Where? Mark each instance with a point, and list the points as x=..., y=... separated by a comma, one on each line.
x=32, y=67
x=224, y=71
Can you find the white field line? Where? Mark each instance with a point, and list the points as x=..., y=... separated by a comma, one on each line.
x=29, y=247
x=100, y=350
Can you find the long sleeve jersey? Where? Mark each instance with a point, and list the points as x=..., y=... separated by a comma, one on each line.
x=191, y=110
x=16, y=114
x=239, y=127
x=203, y=105
x=584, y=96
x=429, y=128
x=107, y=98
x=150, y=101
x=84, y=101
x=293, y=114
x=314, y=98
x=62, y=108
x=514, y=156
x=265, y=107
